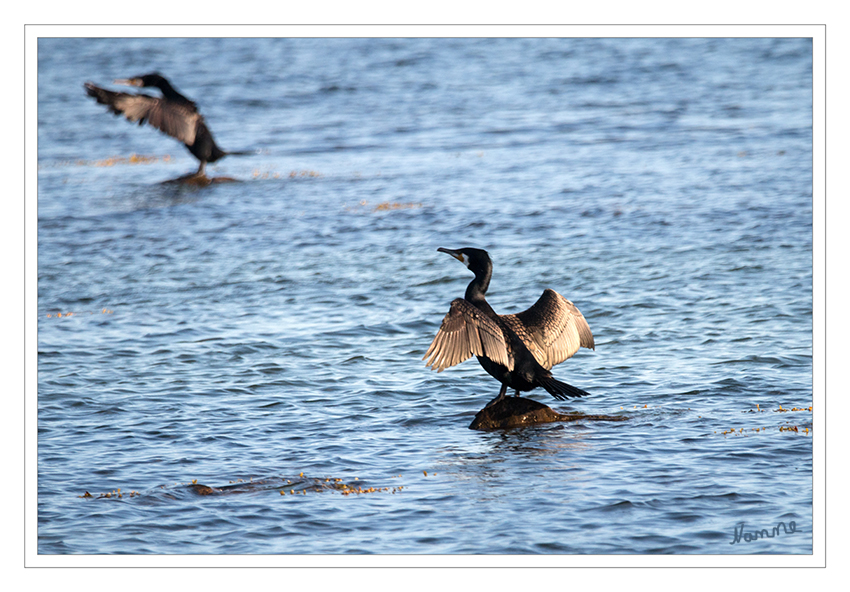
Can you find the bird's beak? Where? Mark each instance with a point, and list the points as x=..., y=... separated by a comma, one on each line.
x=128, y=81
x=456, y=254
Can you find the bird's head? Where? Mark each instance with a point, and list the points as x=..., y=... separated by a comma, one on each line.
x=152, y=79
x=477, y=260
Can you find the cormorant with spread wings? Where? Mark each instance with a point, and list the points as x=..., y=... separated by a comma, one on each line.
x=518, y=350
x=172, y=113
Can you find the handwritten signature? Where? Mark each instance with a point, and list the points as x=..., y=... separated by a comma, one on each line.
x=764, y=533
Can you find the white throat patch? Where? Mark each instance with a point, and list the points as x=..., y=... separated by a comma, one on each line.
x=465, y=259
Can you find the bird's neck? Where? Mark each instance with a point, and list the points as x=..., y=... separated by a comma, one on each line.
x=169, y=93
x=477, y=288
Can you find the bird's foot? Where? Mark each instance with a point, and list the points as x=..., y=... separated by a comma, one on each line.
x=498, y=398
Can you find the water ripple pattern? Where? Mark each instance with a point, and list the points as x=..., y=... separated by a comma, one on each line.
x=215, y=364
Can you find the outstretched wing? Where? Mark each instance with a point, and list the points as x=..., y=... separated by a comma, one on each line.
x=467, y=332
x=175, y=119
x=553, y=329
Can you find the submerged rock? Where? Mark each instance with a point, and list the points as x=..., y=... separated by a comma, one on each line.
x=196, y=180
x=514, y=412
x=203, y=489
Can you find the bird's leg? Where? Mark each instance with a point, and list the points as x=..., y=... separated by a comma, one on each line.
x=498, y=398
x=516, y=394
x=201, y=168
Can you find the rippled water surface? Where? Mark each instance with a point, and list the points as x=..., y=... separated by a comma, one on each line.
x=266, y=336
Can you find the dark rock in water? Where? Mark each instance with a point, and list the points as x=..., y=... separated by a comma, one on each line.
x=196, y=180
x=514, y=412
x=203, y=489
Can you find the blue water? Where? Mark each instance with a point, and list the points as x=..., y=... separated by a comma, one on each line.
x=271, y=330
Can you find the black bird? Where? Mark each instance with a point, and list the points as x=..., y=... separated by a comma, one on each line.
x=518, y=349
x=173, y=114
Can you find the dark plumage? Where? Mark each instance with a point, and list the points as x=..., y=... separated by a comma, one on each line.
x=519, y=349
x=172, y=113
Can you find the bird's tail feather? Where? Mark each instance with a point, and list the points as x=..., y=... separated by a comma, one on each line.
x=561, y=390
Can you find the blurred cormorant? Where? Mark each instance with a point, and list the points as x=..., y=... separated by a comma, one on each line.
x=518, y=349
x=173, y=114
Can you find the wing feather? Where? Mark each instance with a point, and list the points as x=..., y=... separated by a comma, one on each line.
x=464, y=332
x=175, y=119
x=553, y=329
x=454, y=349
